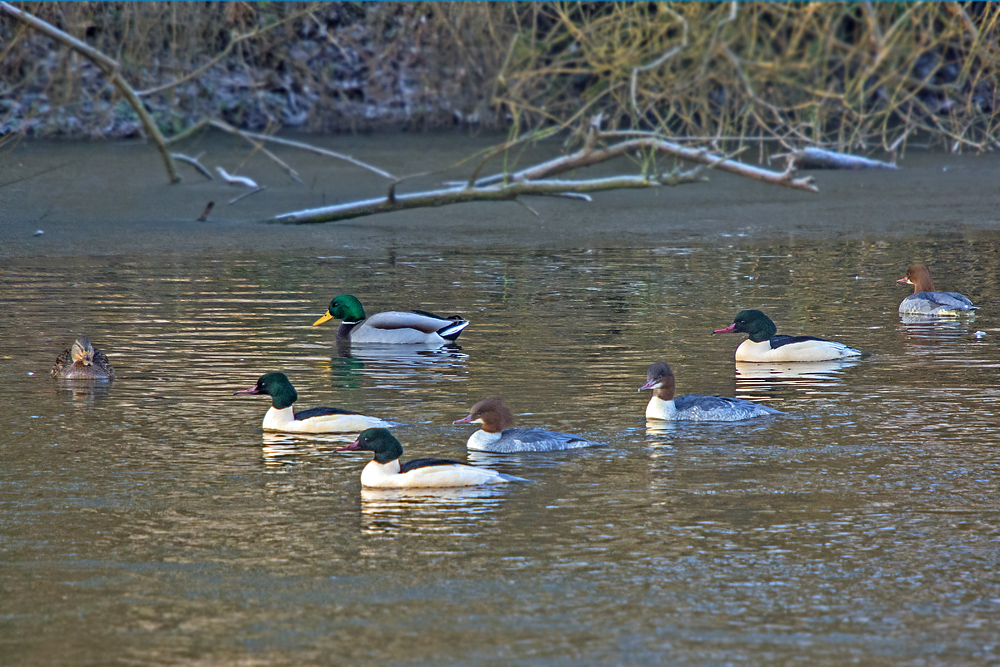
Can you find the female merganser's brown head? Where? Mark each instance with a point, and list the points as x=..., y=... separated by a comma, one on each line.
x=919, y=276
x=491, y=413
x=660, y=379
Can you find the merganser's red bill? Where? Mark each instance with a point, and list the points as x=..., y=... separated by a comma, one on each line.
x=729, y=329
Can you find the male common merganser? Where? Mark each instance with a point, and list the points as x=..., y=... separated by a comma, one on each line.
x=496, y=435
x=413, y=327
x=692, y=407
x=765, y=346
x=281, y=417
x=925, y=301
x=386, y=472
x=83, y=361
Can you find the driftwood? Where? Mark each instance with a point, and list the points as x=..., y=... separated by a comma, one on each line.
x=820, y=158
x=537, y=179
x=232, y=179
x=111, y=69
x=459, y=195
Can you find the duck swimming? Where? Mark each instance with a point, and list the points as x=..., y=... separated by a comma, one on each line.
x=411, y=327
x=925, y=301
x=386, y=472
x=83, y=361
x=281, y=417
x=496, y=434
x=764, y=345
x=692, y=407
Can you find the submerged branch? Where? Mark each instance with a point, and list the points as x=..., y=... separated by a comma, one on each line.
x=460, y=195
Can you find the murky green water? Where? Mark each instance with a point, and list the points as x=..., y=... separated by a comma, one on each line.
x=152, y=522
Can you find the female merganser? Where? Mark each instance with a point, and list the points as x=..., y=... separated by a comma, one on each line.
x=411, y=327
x=765, y=346
x=496, y=435
x=83, y=361
x=281, y=417
x=925, y=301
x=385, y=472
x=693, y=407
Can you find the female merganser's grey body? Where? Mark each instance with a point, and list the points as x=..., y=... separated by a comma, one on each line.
x=764, y=345
x=83, y=361
x=411, y=327
x=496, y=434
x=692, y=407
x=925, y=301
x=281, y=417
x=386, y=472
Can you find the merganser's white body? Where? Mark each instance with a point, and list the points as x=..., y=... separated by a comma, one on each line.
x=282, y=417
x=925, y=301
x=392, y=327
x=388, y=476
x=765, y=346
x=693, y=407
x=815, y=349
x=287, y=421
x=497, y=434
x=386, y=472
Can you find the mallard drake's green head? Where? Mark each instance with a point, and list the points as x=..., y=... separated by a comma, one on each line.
x=275, y=385
x=377, y=440
x=344, y=307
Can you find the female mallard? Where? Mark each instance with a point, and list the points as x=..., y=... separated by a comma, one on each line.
x=410, y=327
x=83, y=361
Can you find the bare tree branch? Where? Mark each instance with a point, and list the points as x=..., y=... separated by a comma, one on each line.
x=111, y=69
x=458, y=195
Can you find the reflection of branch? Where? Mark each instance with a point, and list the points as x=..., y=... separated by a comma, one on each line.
x=111, y=69
x=251, y=136
x=459, y=195
x=193, y=161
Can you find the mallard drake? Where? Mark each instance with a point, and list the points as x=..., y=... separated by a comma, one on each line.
x=692, y=407
x=386, y=472
x=410, y=327
x=498, y=435
x=83, y=361
x=764, y=345
x=925, y=301
x=281, y=417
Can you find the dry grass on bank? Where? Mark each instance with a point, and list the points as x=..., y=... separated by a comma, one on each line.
x=853, y=76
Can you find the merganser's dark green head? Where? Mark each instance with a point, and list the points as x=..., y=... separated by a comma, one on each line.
x=753, y=322
x=377, y=440
x=344, y=307
x=275, y=385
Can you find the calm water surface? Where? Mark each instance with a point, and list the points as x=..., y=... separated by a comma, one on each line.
x=152, y=521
